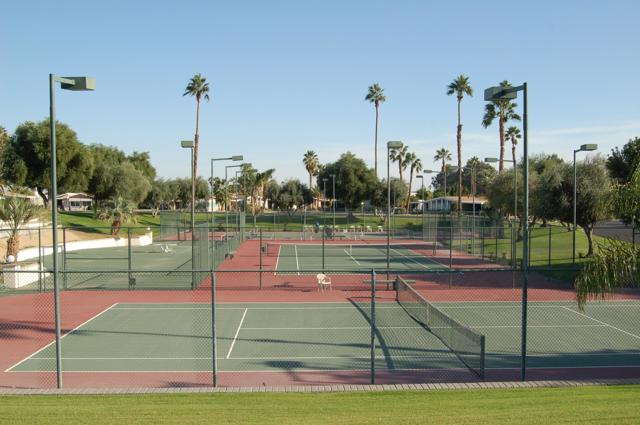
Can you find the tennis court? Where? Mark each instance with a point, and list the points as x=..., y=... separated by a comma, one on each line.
x=343, y=256
x=286, y=337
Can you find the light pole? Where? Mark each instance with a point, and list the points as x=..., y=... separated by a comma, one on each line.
x=502, y=93
x=584, y=148
x=333, y=199
x=231, y=158
x=324, y=195
x=226, y=191
x=73, y=84
x=515, y=182
x=189, y=144
x=390, y=146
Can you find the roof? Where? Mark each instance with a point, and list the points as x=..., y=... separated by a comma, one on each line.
x=74, y=195
x=465, y=199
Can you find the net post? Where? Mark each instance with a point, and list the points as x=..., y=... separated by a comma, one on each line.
x=214, y=342
x=260, y=249
x=64, y=255
x=130, y=277
x=373, y=326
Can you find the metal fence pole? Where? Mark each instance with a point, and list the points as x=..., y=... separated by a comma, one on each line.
x=131, y=281
x=40, y=259
x=214, y=343
x=323, y=249
x=373, y=326
x=64, y=255
x=260, y=259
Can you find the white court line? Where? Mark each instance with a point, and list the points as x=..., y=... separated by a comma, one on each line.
x=347, y=252
x=277, y=260
x=604, y=323
x=54, y=341
x=256, y=307
x=344, y=370
x=235, y=337
x=409, y=258
x=295, y=248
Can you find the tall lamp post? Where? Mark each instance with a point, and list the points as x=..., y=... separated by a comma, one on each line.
x=189, y=144
x=390, y=146
x=226, y=190
x=230, y=158
x=422, y=203
x=73, y=84
x=509, y=93
x=333, y=199
x=584, y=148
x=324, y=194
x=515, y=182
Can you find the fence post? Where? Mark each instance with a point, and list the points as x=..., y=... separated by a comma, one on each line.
x=260, y=258
x=64, y=256
x=214, y=342
x=373, y=326
x=130, y=277
x=40, y=259
x=323, y=249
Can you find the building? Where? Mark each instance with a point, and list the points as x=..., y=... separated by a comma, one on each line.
x=446, y=203
x=74, y=202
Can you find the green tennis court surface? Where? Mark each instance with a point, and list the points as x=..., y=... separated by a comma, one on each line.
x=336, y=336
x=304, y=257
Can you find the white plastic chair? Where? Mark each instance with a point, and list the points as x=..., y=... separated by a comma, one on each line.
x=323, y=282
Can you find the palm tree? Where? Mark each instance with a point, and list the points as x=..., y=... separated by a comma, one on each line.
x=311, y=163
x=316, y=193
x=198, y=88
x=513, y=135
x=258, y=182
x=443, y=155
x=118, y=211
x=504, y=110
x=399, y=156
x=15, y=212
x=376, y=96
x=460, y=86
x=415, y=166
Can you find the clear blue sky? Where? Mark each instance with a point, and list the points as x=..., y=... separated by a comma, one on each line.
x=288, y=76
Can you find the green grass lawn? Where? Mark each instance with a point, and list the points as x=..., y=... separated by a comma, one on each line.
x=593, y=405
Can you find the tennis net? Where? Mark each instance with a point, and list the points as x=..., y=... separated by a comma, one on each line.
x=466, y=344
x=360, y=250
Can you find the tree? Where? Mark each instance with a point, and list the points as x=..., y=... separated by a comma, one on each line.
x=615, y=264
x=4, y=137
x=16, y=212
x=513, y=135
x=376, y=96
x=142, y=162
x=485, y=173
x=158, y=197
x=120, y=181
x=415, y=166
x=399, y=156
x=311, y=164
x=355, y=182
x=504, y=110
x=292, y=196
x=198, y=88
x=460, y=86
x=443, y=155
x=26, y=161
x=118, y=211
x=593, y=190
x=623, y=163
